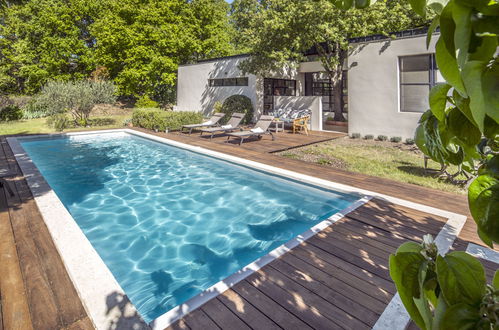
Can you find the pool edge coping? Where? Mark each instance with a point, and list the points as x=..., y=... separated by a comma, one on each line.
x=48, y=199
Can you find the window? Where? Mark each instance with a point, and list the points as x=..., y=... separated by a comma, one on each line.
x=417, y=76
x=276, y=87
x=319, y=84
x=218, y=82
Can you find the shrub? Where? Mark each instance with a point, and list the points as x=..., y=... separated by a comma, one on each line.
x=382, y=138
x=368, y=137
x=355, y=136
x=34, y=109
x=329, y=118
x=105, y=121
x=395, y=139
x=237, y=103
x=77, y=97
x=145, y=102
x=217, y=107
x=58, y=121
x=161, y=120
x=10, y=112
x=409, y=141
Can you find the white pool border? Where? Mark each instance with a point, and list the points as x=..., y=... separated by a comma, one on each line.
x=94, y=281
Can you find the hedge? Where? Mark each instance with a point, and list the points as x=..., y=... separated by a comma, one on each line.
x=162, y=120
x=237, y=103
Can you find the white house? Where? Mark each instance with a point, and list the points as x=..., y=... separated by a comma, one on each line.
x=385, y=91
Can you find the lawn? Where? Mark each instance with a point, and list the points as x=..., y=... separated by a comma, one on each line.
x=33, y=126
x=396, y=161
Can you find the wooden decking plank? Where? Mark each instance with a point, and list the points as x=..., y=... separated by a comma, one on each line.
x=43, y=308
x=387, y=238
x=179, y=325
x=200, y=321
x=306, y=251
x=246, y=312
x=69, y=305
x=365, y=294
x=222, y=315
x=269, y=307
x=83, y=324
x=329, y=293
x=14, y=313
x=311, y=308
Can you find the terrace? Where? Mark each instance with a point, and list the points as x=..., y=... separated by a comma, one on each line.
x=337, y=279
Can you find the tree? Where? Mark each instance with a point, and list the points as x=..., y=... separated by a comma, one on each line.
x=279, y=32
x=42, y=40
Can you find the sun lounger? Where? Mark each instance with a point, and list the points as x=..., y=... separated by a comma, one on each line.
x=231, y=125
x=213, y=121
x=260, y=128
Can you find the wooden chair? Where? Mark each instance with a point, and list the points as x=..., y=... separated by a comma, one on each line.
x=301, y=124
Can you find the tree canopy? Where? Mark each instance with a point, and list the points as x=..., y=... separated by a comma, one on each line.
x=279, y=32
x=136, y=43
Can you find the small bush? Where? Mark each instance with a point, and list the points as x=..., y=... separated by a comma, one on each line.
x=329, y=118
x=34, y=109
x=368, y=137
x=77, y=97
x=237, y=103
x=409, y=141
x=11, y=112
x=59, y=122
x=145, y=102
x=101, y=121
x=161, y=120
x=395, y=139
x=217, y=107
x=382, y=138
x=355, y=136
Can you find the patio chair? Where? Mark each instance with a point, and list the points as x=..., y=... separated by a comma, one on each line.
x=297, y=118
x=213, y=121
x=261, y=127
x=301, y=124
x=231, y=125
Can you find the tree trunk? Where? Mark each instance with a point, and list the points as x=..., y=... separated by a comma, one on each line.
x=338, y=96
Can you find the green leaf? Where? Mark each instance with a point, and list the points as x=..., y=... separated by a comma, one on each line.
x=462, y=18
x=491, y=129
x=431, y=29
x=447, y=64
x=421, y=302
x=419, y=6
x=484, y=50
x=495, y=281
x=483, y=199
x=490, y=88
x=419, y=139
x=461, y=317
x=485, y=25
x=404, y=271
x=472, y=77
x=464, y=130
x=439, y=313
x=461, y=278
x=437, y=5
x=438, y=100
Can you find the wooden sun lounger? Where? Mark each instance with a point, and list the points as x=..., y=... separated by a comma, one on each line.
x=263, y=123
x=213, y=122
x=234, y=122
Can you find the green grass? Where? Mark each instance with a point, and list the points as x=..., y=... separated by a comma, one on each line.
x=394, y=161
x=34, y=126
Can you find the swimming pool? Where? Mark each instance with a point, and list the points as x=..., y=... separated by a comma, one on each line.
x=169, y=223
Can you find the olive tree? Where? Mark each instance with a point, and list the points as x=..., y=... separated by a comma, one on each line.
x=76, y=97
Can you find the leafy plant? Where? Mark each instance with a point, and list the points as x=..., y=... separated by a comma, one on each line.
x=355, y=136
x=462, y=128
x=368, y=137
x=444, y=292
x=382, y=137
x=10, y=112
x=395, y=139
x=237, y=103
x=76, y=97
x=162, y=120
x=145, y=102
x=329, y=118
x=217, y=107
x=59, y=121
x=409, y=141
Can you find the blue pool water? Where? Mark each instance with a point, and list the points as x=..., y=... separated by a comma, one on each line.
x=169, y=223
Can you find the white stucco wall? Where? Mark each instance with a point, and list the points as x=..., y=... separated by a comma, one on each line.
x=373, y=87
x=194, y=92
x=312, y=103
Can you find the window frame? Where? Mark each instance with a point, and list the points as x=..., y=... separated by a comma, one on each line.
x=273, y=84
x=432, y=77
x=228, y=82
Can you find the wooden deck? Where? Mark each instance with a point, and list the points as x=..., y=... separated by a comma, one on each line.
x=337, y=279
